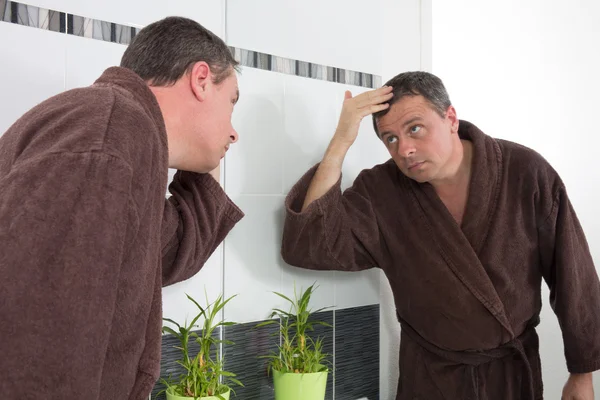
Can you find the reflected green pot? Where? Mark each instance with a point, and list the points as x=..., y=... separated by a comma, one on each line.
x=289, y=386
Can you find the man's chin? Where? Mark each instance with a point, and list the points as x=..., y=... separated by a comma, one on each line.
x=203, y=167
x=420, y=178
x=196, y=169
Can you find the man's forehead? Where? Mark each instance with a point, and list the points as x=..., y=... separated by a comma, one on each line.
x=407, y=108
x=231, y=80
x=233, y=86
x=390, y=118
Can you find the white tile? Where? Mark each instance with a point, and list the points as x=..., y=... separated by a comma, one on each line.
x=356, y=289
x=176, y=305
x=139, y=13
x=87, y=59
x=310, y=112
x=410, y=40
x=340, y=33
x=254, y=163
x=252, y=260
x=32, y=69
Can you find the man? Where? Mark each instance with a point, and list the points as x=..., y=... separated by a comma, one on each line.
x=465, y=227
x=84, y=223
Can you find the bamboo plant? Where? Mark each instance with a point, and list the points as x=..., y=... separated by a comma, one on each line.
x=298, y=351
x=204, y=375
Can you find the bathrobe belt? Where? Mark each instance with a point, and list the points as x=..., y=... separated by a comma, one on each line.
x=476, y=358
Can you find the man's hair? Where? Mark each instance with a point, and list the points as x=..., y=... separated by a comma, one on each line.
x=417, y=83
x=165, y=50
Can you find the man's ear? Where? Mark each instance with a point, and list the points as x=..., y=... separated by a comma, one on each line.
x=452, y=118
x=200, y=80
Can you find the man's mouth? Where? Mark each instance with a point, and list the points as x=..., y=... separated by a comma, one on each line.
x=414, y=165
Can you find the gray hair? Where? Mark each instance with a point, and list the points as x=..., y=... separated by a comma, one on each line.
x=165, y=50
x=417, y=83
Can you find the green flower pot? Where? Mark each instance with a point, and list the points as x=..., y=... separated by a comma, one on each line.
x=171, y=396
x=289, y=386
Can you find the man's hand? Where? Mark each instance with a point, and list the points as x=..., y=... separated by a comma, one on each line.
x=579, y=387
x=353, y=111
x=356, y=108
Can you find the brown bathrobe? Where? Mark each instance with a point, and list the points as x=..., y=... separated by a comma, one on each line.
x=84, y=226
x=468, y=297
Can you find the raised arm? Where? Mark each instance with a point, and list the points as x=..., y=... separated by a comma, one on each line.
x=323, y=228
x=353, y=111
x=197, y=217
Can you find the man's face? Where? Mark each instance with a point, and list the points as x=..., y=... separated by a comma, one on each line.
x=211, y=132
x=418, y=138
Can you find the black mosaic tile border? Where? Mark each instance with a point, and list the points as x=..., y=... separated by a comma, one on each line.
x=327, y=333
x=242, y=358
x=57, y=21
x=269, y=62
x=357, y=353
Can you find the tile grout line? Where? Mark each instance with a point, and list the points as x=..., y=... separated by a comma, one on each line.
x=224, y=180
x=281, y=138
x=334, y=344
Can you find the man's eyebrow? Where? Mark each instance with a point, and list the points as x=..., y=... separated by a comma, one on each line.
x=411, y=121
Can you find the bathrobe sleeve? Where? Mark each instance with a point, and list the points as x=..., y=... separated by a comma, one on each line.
x=197, y=217
x=569, y=271
x=336, y=232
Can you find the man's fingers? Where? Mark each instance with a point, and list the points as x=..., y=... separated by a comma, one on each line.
x=374, y=97
x=347, y=95
x=372, y=109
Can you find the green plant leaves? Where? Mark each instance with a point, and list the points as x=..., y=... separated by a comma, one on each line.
x=298, y=352
x=204, y=374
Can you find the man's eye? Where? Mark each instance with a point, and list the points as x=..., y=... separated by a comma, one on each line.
x=391, y=139
x=415, y=129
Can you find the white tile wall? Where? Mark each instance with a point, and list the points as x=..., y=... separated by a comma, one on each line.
x=252, y=261
x=206, y=283
x=87, y=59
x=254, y=163
x=341, y=33
x=405, y=30
x=310, y=119
x=32, y=69
x=140, y=13
x=355, y=289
